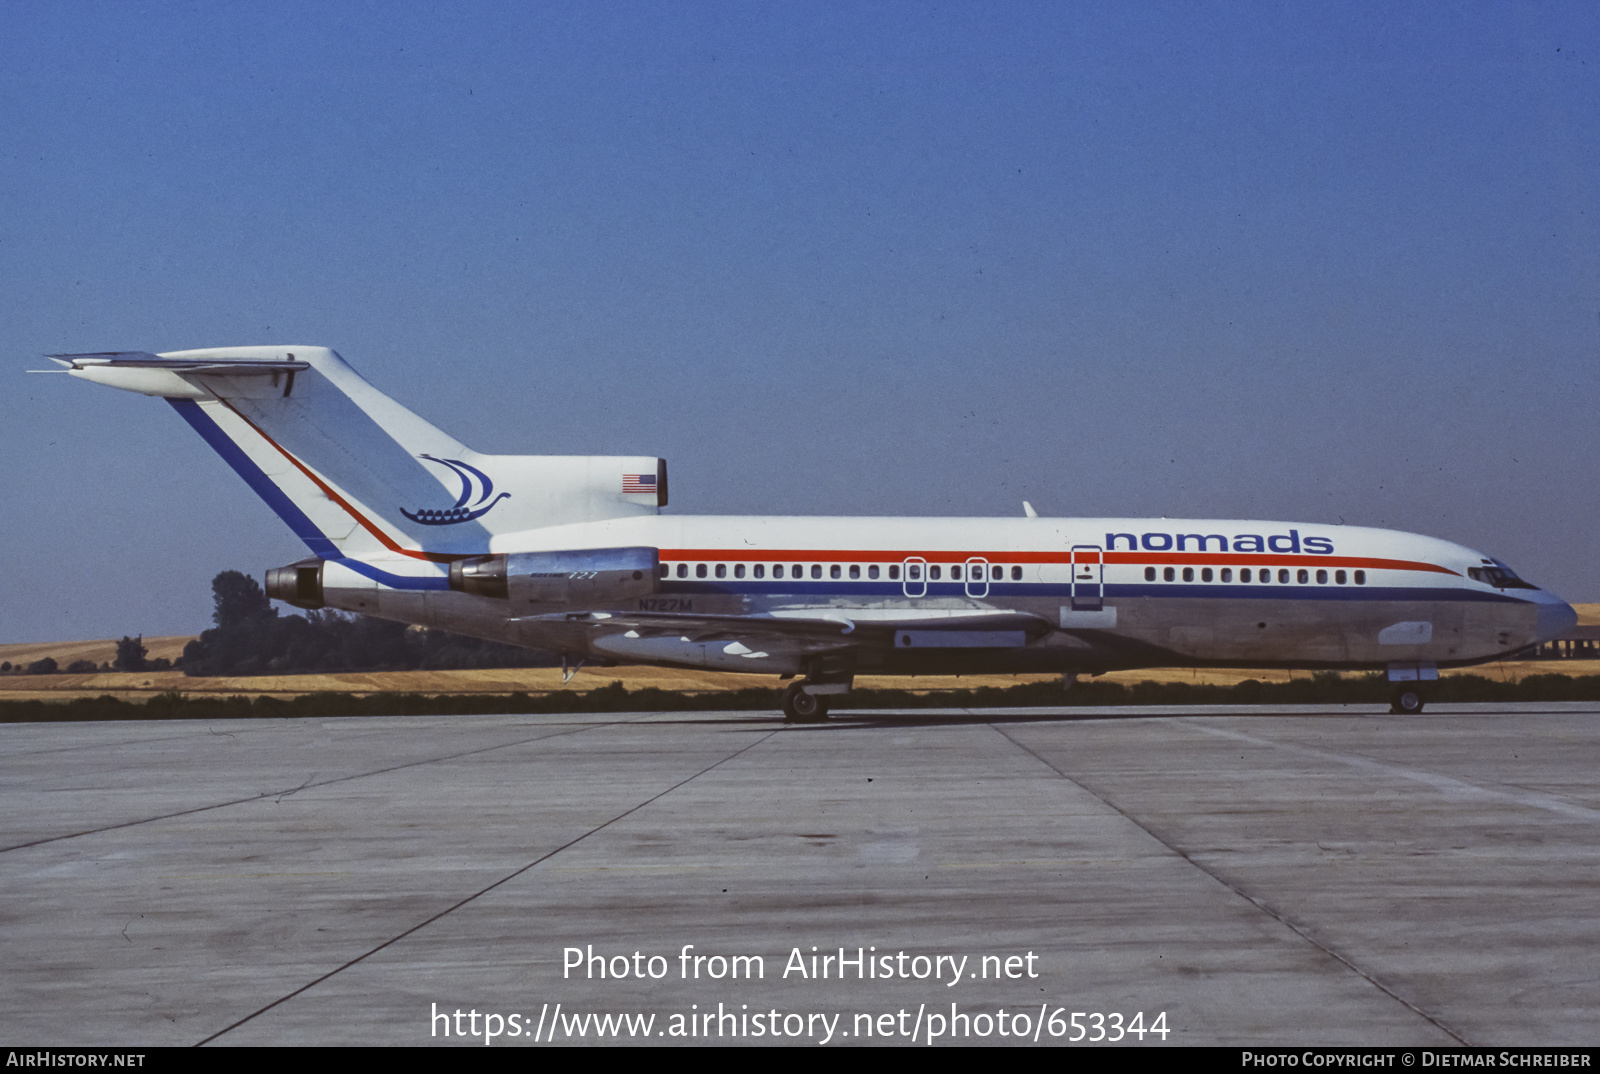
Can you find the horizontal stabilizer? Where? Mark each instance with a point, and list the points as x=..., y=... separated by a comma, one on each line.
x=102, y=357
x=146, y=360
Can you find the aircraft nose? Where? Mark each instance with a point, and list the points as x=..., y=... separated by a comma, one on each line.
x=1555, y=619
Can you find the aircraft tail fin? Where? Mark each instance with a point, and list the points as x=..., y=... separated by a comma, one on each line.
x=354, y=473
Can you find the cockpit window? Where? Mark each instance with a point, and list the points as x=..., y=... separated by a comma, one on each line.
x=1498, y=575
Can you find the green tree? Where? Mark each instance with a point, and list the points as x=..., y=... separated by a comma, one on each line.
x=130, y=654
x=244, y=639
x=251, y=638
x=238, y=599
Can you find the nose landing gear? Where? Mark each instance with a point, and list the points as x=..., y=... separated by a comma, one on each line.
x=1407, y=679
x=1406, y=700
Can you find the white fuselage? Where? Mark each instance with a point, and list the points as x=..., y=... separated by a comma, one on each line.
x=1112, y=592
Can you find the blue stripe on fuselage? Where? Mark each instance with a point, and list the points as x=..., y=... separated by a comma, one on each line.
x=1003, y=591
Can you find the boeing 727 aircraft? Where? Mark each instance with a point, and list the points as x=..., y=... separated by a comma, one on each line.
x=572, y=554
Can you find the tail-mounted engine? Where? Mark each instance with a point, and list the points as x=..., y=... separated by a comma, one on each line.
x=583, y=576
x=299, y=584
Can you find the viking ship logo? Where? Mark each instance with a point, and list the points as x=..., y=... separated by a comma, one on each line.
x=472, y=479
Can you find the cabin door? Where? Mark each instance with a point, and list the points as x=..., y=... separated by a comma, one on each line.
x=1088, y=578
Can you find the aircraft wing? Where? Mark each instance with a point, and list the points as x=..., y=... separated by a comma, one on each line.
x=815, y=628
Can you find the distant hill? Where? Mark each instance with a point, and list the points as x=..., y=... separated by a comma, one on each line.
x=101, y=652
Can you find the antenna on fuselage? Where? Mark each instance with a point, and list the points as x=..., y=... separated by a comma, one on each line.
x=1027, y=510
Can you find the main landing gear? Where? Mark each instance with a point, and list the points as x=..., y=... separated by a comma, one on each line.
x=1406, y=699
x=801, y=707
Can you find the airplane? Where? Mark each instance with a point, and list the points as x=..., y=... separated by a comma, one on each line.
x=571, y=554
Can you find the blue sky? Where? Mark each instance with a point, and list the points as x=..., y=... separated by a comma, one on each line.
x=1294, y=262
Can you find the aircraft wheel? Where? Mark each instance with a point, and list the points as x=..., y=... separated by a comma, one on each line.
x=1406, y=701
x=801, y=707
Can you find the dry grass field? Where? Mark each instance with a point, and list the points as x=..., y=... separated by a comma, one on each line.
x=101, y=652
x=133, y=686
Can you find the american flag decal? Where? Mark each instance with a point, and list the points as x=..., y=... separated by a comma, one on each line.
x=638, y=482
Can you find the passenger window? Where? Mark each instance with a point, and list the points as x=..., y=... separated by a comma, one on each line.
x=1338, y=577
x=759, y=570
x=872, y=571
x=722, y=570
x=1016, y=574
x=1167, y=574
x=1244, y=574
x=933, y=572
x=816, y=570
x=777, y=570
x=955, y=573
x=1361, y=577
x=699, y=570
x=1283, y=576
x=683, y=570
x=738, y=570
x=833, y=571
x=1322, y=577
x=855, y=570
x=665, y=570
x=996, y=573
x=915, y=572
x=1205, y=574
x=894, y=573
x=1227, y=574
x=798, y=571
x=1188, y=574
x=1149, y=574
x=1302, y=577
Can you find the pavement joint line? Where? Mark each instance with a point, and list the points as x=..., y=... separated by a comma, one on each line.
x=1258, y=903
x=102, y=746
x=312, y=786
x=1447, y=785
x=478, y=894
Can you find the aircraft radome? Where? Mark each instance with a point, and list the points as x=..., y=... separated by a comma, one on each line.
x=572, y=554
